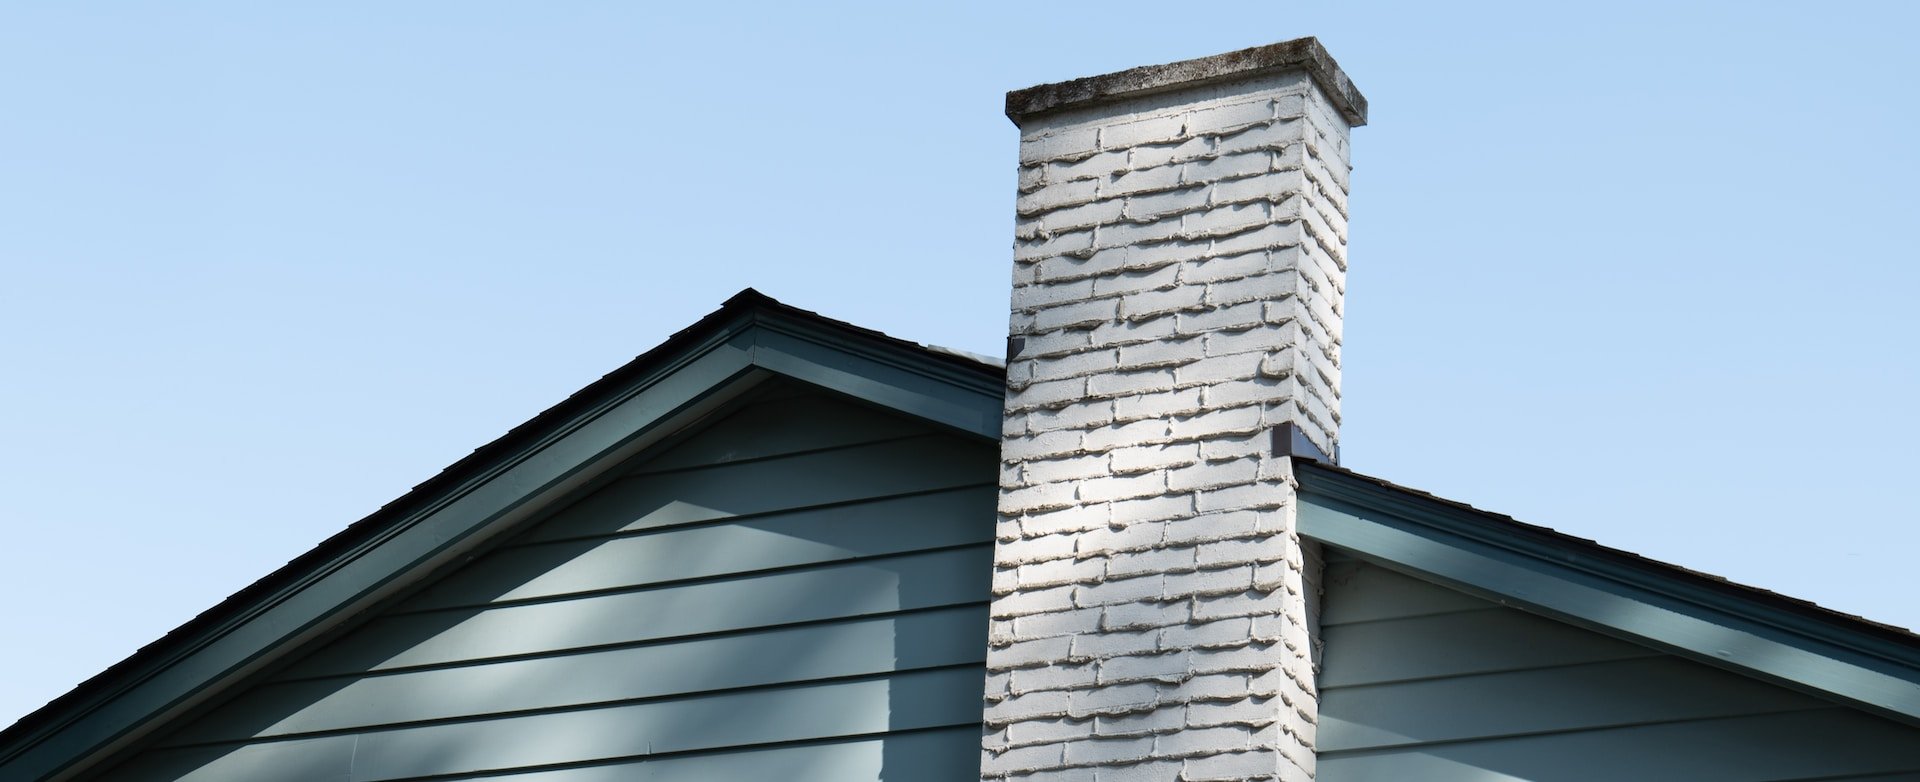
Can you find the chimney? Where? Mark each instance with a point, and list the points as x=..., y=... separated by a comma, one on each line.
x=1179, y=264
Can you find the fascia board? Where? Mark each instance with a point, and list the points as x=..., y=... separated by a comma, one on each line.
x=1432, y=544
x=903, y=381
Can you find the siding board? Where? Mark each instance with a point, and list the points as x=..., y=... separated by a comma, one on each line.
x=797, y=591
x=1420, y=684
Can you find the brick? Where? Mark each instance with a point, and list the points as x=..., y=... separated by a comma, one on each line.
x=1144, y=131
x=1168, y=667
x=1149, y=155
x=1213, y=475
x=1133, y=281
x=1131, y=331
x=1232, y=116
x=1095, y=167
x=1040, y=446
x=1121, y=487
x=1217, y=422
x=1059, y=144
x=1277, y=134
x=1026, y=654
x=1230, y=267
x=1107, y=751
x=1060, y=676
x=1045, y=496
x=1122, y=435
x=1085, y=215
x=1266, y=238
x=1033, y=601
x=1217, y=369
x=1031, y=297
x=1118, y=590
x=1213, y=526
x=1036, y=198
x=1038, y=756
x=1131, y=383
x=1155, y=509
x=1241, y=498
x=1207, y=582
x=1076, y=314
x=1036, y=246
x=1072, y=468
x=1152, y=304
x=1166, y=203
x=1253, y=340
x=1163, y=353
x=1232, y=767
x=1204, y=321
x=1225, y=220
x=1047, y=731
x=1078, y=415
x=1252, y=712
x=1165, y=560
x=1274, y=548
x=1242, y=604
x=1061, y=571
x=1252, y=658
x=1235, y=631
x=1048, y=625
x=1143, y=616
x=1112, y=700
x=1160, y=405
x=1111, y=643
x=1142, y=180
x=1074, y=519
x=1116, y=538
x=1266, y=287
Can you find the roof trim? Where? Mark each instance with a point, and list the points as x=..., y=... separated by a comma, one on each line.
x=1751, y=631
x=749, y=339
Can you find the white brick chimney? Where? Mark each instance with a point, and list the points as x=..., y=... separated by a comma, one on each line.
x=1179, y=266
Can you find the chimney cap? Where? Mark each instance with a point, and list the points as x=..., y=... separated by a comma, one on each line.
x=1298, y=54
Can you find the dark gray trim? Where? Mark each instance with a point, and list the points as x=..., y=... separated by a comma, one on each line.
x=1612, y=592
x=1305, y=54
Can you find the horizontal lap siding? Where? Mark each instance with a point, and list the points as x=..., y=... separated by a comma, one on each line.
x=797, y=591
x=1421, y=682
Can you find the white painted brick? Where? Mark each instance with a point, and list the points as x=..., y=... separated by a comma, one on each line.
x=1061, y=571
x=1148, y=155
x=1168, y=667
x=1152, y=304
x=1025, y=654
x=1117, y=699
x=1020, y=551
x=1075, y=519
x=1050, y=343
x=1241, y=497
x=1163, y=353
x=1023, y=759
x=1037, y=198
x=1229, y=117
x=1268, y=189
x=1251, y=712
x=1267, y=135
x=1143, y=131
x=1116, y=538
x=1203, y=741
x=1137, y=234
x=1213, y=475
x=1029, y=499
x=1276, y=548
x=1161, y=560
x=1229, y=267
x=1161, y=405
x=1132, y=331
x=1069, y=676
x=1242, y=604
x=1266, y=238
x=1144, y=616
x=1119, y=590
x=1207, y=582
x=1074, y=364
x=1087, y=214
x=1048, y=731
x=1069, y=469
x=1142, y=180
x=1121, y=487
x=1266, y=287
x=1252, y=658
x=1251, y=391
x=1232, y=767
x=1224, y=343
x=1132, y=383
x=1210, y=527
x=1076, y=314
x=1225, y=448
x=1215, y=423
x=1154, y=509
x=1128, y=282
x=1148, y=458
x=1032, y=601
x=1111, y=643
x=1048, y=625
x=1061, y=143
x=1165, y=203
x=1142, y=723
x=1036, y=247
x=1225, y=220
x=1235, y=631
x=1040, y=446
x=1202, y=322
x=1097, y=166
x=1032, y=297
x=1109, y=751
x=1216, y=369
x=1122, y=435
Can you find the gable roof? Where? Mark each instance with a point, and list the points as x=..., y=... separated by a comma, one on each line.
x=750, y=338
x=1790, y=642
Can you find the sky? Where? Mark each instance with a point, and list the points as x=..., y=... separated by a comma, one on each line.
x=1640, y=272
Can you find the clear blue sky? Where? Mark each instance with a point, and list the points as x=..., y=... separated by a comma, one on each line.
x=1642, y=272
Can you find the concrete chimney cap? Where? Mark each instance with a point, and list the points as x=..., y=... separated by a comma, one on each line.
x=1298, y=54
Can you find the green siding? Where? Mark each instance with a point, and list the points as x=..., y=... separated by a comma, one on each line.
x=796, y=590
x=1422, y=682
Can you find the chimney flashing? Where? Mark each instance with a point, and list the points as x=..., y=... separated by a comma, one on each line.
x=1298, y=54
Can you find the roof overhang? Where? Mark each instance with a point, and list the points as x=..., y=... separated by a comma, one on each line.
x=752, y=338
x=1749, y=631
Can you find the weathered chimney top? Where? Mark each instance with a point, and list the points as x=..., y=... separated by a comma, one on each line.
x=1298, y=54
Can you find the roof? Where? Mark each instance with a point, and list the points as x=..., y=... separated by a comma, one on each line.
x=749, y=338
x=1790, y=642
x=753, y=337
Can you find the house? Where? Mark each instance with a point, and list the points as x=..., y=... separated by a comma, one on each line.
x=780, y=546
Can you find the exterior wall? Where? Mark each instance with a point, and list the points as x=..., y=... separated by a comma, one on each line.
x=796, y=592
x=1425, y=683
x=1178, y=274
